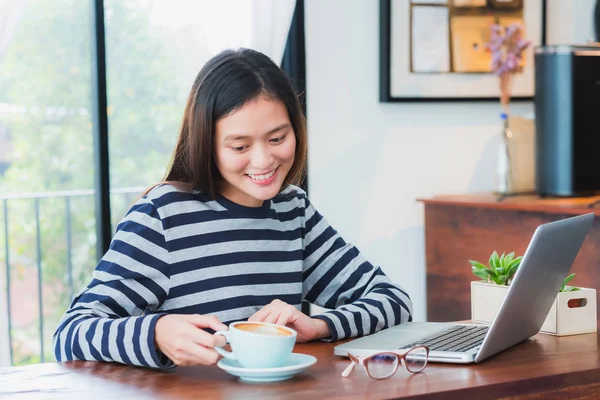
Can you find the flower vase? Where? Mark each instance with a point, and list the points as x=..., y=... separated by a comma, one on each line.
x=516, y=156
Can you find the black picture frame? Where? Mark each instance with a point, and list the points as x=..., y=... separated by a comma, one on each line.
x=385, y=95
x=597, y=20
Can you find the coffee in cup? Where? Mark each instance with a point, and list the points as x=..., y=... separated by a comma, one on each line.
x=258, y=344
x=264, y=329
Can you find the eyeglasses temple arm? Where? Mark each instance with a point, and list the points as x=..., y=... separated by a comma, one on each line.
x=349, y=369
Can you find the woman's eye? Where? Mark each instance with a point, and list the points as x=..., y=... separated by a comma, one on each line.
x=239, y=148
x=278, y=139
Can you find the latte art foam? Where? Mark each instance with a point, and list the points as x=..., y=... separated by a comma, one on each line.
x=263, y=329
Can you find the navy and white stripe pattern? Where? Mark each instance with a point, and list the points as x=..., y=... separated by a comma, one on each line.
x=184, y=253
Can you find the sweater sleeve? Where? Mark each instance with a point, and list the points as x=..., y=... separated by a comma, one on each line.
x=113, y=318
x=336, y=276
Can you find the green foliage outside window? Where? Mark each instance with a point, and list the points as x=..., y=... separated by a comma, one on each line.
x=45, y=72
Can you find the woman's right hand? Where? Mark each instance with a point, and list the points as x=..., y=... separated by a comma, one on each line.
x=180, y=337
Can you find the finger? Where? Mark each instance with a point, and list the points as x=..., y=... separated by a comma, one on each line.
x=206, y=339
x=196, y=354
x=184, y=355
x=272, y=317
x=284, y=318
x=220, y=341
x=260, y=315
x=183, y=359
x=207, y=321
x=217, y=325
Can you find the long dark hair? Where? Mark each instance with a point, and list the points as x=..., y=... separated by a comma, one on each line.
x=226, y=83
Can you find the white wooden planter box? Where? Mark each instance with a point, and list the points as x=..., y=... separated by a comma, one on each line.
x=564, y=318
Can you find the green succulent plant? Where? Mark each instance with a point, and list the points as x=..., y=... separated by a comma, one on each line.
x=502, y=269
x=565, y=288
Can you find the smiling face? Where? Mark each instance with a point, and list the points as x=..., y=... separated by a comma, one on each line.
x=254, y=151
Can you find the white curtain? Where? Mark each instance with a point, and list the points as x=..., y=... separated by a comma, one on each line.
x=262, y=25
x=271, y=20
x=10, y=11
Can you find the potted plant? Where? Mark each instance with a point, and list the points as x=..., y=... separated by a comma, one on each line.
x=573, y=311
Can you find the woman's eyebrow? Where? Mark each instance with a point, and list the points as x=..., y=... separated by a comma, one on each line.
x=278, y=128
x=237, y=136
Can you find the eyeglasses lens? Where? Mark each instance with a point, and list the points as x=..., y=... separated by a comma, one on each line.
x=382, y=365
x=416, y=359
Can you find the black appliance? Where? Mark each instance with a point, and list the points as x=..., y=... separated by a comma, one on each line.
x=567, y=113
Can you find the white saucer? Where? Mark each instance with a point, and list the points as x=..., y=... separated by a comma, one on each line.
x=295, y=364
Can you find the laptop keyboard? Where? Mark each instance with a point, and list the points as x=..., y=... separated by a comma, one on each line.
x=456, y=338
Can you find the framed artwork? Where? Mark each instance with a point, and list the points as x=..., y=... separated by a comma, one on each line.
x=435, y=50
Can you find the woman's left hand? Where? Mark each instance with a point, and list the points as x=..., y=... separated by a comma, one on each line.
x=281, y=313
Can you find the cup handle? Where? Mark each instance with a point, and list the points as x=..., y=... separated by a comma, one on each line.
x=220, y=350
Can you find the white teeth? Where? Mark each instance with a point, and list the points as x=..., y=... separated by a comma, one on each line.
x=262, y=177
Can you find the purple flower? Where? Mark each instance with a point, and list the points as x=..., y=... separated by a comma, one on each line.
x=506, y=49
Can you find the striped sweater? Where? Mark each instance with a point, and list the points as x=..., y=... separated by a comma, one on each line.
x=178, y=252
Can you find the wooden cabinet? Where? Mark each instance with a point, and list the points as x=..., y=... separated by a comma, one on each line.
x=463, y=227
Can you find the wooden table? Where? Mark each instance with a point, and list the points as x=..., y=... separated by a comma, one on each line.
x=543, y=367
x=470, y=227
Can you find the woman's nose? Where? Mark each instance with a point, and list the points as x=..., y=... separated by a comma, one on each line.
x=261, y=158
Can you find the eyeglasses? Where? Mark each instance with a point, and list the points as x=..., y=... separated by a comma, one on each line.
x=385, y=364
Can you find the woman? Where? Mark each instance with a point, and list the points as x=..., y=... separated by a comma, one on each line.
x=226, y=237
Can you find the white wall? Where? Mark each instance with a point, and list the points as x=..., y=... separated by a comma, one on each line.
x=370, y=161
x=570, y=21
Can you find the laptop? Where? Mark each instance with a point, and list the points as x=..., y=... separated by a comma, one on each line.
x=532, y=292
